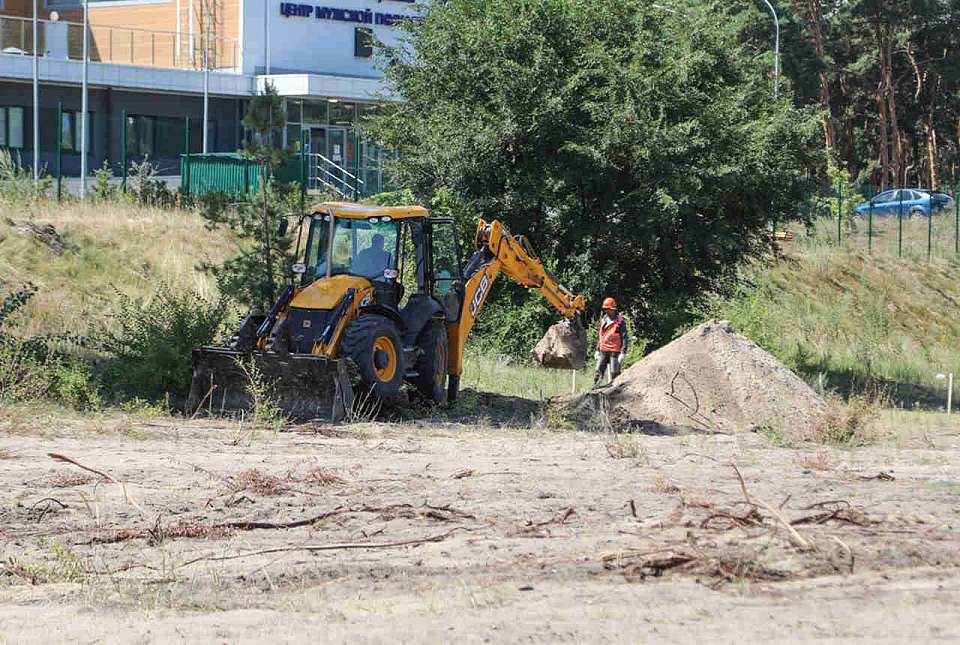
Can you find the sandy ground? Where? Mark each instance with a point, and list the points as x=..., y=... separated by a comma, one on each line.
x=433, y=533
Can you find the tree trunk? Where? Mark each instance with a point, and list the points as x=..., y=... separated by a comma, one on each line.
x=932, y=153
x=929, y=129
x=884, y=141
x=825, y=102
x=886, y=57
x=267, y=250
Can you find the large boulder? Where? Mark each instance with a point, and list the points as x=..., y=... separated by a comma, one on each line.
x=563, y=347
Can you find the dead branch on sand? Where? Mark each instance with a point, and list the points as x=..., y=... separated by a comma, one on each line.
x=308, y=548
x=795, y=538
x=107, y=476
x=187, y=529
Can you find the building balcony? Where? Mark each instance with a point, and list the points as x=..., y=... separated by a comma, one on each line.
x=61, y=40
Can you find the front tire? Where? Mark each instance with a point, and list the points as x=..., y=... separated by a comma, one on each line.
x=373, y=343
x=431, y=368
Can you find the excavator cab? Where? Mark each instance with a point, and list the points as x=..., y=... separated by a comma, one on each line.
x=382, y=298
x=400, y=257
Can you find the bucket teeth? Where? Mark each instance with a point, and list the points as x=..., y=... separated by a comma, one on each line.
x=302, y=386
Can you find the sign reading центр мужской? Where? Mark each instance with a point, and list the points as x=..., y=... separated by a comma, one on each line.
x=361, y=16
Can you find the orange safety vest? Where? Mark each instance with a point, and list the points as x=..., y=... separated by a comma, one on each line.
x=610, y=338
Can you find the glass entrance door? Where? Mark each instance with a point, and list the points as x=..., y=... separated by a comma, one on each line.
x=337, y=147
x=318, y=141
x=332, y=159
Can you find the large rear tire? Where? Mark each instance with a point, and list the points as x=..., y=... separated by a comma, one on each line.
x=373, y=343
x=431, y=368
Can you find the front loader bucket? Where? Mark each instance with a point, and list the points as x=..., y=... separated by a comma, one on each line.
x=301, y=385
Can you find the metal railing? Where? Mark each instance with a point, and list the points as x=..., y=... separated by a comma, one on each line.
x=119, y=45
x=325, y=174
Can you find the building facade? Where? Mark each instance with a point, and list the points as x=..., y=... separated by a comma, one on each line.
x=147, y=72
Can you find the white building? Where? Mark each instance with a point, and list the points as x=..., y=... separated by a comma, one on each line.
x=146, y=73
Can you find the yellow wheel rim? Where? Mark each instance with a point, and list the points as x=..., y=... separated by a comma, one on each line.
x=384, y=359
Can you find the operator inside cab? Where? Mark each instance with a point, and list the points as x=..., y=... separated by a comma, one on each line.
x=613, y=344
x=373, y=260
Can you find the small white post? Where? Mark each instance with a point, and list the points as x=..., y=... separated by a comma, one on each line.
x=949, y=393
x=949, y=379
x=574, y=382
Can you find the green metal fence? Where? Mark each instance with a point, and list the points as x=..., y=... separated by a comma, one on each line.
x=232, y=173
x=867, y=218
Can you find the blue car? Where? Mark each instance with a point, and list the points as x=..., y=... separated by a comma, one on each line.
x=916, y=201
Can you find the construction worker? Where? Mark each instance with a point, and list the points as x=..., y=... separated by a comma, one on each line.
x=613, y=344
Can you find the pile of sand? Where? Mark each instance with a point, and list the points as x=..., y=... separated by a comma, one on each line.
x=711, y=379
x=563, y=347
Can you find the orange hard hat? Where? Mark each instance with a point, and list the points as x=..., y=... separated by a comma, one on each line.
x=609, y=303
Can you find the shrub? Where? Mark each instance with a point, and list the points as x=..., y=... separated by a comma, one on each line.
x=71, y=384
x=103, y=190
x=151, y=342
x=30, y=370
x=145, y=187
x=254, y=277
x=848, y=423
x=16, y=180
x=403, y=197
x=22, y=376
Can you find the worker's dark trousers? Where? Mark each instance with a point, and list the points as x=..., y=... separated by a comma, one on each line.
x=611, y=360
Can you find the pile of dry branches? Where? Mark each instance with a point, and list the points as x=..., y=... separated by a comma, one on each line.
x=747, y=539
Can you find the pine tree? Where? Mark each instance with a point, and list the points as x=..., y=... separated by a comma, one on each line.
x=253, y=276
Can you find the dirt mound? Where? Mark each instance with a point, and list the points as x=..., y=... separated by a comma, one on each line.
x=563, y=347
x=711, y=379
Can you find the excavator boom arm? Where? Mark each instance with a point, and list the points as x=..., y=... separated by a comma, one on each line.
x=500, y=251
x=519, y=262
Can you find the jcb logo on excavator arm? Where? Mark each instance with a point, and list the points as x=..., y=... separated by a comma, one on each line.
x=478, y=296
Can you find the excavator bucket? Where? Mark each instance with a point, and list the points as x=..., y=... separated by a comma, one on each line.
x=302, y=386
x=563, y=347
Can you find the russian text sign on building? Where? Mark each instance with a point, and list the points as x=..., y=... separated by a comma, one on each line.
x=361, y=16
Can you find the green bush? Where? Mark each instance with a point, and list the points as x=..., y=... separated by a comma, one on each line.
x=254, y=277
x=403, y=197
x=16, y=180
x=23, y=377
x=151, y=340
x=71, y=384
x=30, y=370
x=144, y=187
x=103, y=190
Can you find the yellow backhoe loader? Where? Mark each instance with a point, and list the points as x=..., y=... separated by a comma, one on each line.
x=383, y=298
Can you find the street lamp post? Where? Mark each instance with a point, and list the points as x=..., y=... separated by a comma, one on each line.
x=206, y=80
x=36, y=98
x=776, y=49
x=84, y=101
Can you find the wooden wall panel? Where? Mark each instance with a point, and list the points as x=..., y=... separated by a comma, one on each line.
x=145, y=34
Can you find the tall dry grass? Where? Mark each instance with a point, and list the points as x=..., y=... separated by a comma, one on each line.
x=878, y=326
x=110, y=245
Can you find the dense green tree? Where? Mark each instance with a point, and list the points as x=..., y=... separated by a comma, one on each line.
x=252, y=277
x=888, y=85
x=639, y=148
